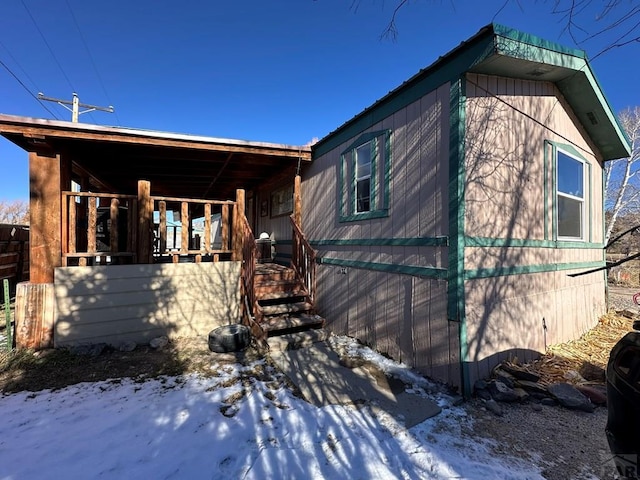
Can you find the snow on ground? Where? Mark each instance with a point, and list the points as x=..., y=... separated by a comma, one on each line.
x=234, y=425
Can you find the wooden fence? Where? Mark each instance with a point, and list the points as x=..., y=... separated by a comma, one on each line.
x=14, y=255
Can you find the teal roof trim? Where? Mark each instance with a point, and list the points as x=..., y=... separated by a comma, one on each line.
x=529, y=39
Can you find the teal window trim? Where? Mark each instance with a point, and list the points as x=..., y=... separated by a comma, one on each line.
x=413, y=270
x=383, y=242
x=587, y=219
x=529, y=243
x=529, y=269
x=379, y=179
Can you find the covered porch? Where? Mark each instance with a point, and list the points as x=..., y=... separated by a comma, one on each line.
x=136, y=234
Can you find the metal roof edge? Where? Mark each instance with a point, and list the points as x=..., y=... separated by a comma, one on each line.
x=63, y=126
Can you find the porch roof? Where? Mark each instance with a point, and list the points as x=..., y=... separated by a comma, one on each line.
x=115, y=158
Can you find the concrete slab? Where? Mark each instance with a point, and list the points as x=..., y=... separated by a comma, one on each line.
x=323, y=380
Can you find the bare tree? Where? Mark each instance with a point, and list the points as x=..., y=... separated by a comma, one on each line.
x=614, y=23
x=14, y=212
x=622, y=176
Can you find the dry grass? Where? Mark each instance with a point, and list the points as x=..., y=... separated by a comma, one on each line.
x=588, y=355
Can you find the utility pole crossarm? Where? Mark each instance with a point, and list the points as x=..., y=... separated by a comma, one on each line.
x=75, y=106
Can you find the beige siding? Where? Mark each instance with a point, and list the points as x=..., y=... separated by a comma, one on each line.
x=418, y=178
x=507, y=123
x=113, y=304
x=506, y=316
x=402, y=316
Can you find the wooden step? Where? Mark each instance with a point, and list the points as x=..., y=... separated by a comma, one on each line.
x=293, y=341
x=286, y=308
x=280, y=295
x=272, y=272
x=282, y=323
x=276, y=286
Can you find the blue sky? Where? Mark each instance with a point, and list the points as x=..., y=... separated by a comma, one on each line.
x=280, y=71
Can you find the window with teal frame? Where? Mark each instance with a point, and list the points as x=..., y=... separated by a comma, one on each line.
x=572, y=209
x=363, y=183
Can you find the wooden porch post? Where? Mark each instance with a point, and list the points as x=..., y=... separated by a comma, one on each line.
x=35, y=301
x=297, y=201
x=45, y=185
x=145, y=222
x=238, y=213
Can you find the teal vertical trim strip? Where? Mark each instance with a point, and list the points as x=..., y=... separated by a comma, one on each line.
x=590, y=204
x=352, y=183
x=455, y=274
x=373, y=182
x=341, y=194
x=387, y=170
x=554, y=196
x=545, y=172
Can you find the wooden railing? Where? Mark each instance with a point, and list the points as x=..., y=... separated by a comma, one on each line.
x=101, y=228
x=187, y=244
x=93, y=224
x=303, y=260
x=249, y=255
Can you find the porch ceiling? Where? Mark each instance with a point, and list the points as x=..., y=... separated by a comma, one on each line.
x=176, y=165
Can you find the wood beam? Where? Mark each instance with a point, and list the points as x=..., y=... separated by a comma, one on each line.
x=45, y=191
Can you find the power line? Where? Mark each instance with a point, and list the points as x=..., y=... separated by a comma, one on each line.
x=27, y=89
x=15, y=60
x=93, y=63
x=48, y=46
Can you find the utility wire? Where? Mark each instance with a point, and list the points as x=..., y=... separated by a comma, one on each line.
x=47, y=44
x=93, y=63
x=44, y=39
x=27, y=89
x=15, y=60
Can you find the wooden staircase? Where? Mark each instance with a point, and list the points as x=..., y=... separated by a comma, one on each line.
x=284, y=304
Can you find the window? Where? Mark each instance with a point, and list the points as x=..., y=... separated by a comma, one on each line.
x=363, y=185
x=570, y=196
x=363, y=178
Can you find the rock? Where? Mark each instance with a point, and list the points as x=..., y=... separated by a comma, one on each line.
x=536, y=407
x=592, y=372
x=500, y=392
x=493, y=407
x=480, y=385
x=520, y=374
x=574, y=376
x=159, y=342
x=92, y=350
x=532, y=387
x=129, y=346
x=483, y=394
x=504, y=377
x=480, y=389
x=570, y=397
x=548, y=402
x=598, y=396
x=538, y=396
x=522, y=395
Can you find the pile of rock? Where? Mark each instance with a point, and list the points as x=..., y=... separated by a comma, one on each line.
x=510, y=383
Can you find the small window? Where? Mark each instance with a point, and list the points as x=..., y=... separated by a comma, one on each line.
x=363, y=178
x=570, y=197
x=363, y=183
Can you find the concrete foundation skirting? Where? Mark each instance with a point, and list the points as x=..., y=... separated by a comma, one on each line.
x=35, y=315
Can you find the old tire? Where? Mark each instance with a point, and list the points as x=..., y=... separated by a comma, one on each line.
x=229, y=338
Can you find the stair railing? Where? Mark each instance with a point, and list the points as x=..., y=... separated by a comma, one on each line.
x=249, y=255
x=303, y=260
